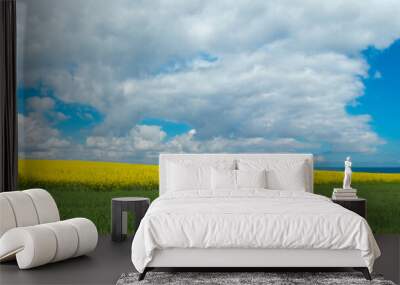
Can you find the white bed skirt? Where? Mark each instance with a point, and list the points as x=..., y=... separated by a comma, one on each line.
x=190, y=257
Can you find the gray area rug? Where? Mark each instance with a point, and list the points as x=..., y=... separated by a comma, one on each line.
x=225, y=278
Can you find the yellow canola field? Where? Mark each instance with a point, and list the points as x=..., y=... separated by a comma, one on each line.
x=89, y=172
x=105, y=174
x=324, y=176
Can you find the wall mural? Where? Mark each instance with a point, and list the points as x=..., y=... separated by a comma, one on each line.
x=105, y=86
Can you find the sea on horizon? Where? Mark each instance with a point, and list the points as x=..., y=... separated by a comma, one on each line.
x=364, y=169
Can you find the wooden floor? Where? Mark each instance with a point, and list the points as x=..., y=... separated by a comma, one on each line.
x=110, y=260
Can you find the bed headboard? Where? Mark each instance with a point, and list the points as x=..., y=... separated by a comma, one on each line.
x=164, y=158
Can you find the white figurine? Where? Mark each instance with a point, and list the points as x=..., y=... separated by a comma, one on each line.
x=347, y=174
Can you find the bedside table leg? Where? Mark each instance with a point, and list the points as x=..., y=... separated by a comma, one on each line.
x=116, y=222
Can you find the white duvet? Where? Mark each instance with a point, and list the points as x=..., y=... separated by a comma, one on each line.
x=250, y=219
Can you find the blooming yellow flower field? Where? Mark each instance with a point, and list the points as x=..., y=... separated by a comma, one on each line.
x=103, y=175
x=106, y=175
x=323, y=176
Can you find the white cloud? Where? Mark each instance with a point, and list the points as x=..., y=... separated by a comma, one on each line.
x=60, y=116
x=40, y=104
x=141, y=142
x=284, y=74
x=37, y=139
x=377, y=75
x=38, y=107
x=144, y=142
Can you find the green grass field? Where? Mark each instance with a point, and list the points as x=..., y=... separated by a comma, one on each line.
x=85, y=189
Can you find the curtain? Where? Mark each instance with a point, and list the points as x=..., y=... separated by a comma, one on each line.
x=8, y=100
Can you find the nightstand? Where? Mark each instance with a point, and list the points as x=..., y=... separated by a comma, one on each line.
x=358, y=206
x=119, y=207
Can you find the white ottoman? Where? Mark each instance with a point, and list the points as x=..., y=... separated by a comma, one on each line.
x=33, y=243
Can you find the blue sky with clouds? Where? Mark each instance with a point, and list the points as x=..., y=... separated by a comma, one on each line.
x=126, y=80
x=382, y=91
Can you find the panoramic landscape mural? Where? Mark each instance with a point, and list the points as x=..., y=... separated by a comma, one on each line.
x=105, y=86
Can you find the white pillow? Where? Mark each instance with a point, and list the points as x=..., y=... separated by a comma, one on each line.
x=188, y=177
x=282, y=174
x=251, y=178
x=223, y=179
x=293, y=179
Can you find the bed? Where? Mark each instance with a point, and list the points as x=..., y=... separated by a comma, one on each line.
x=247, y=210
